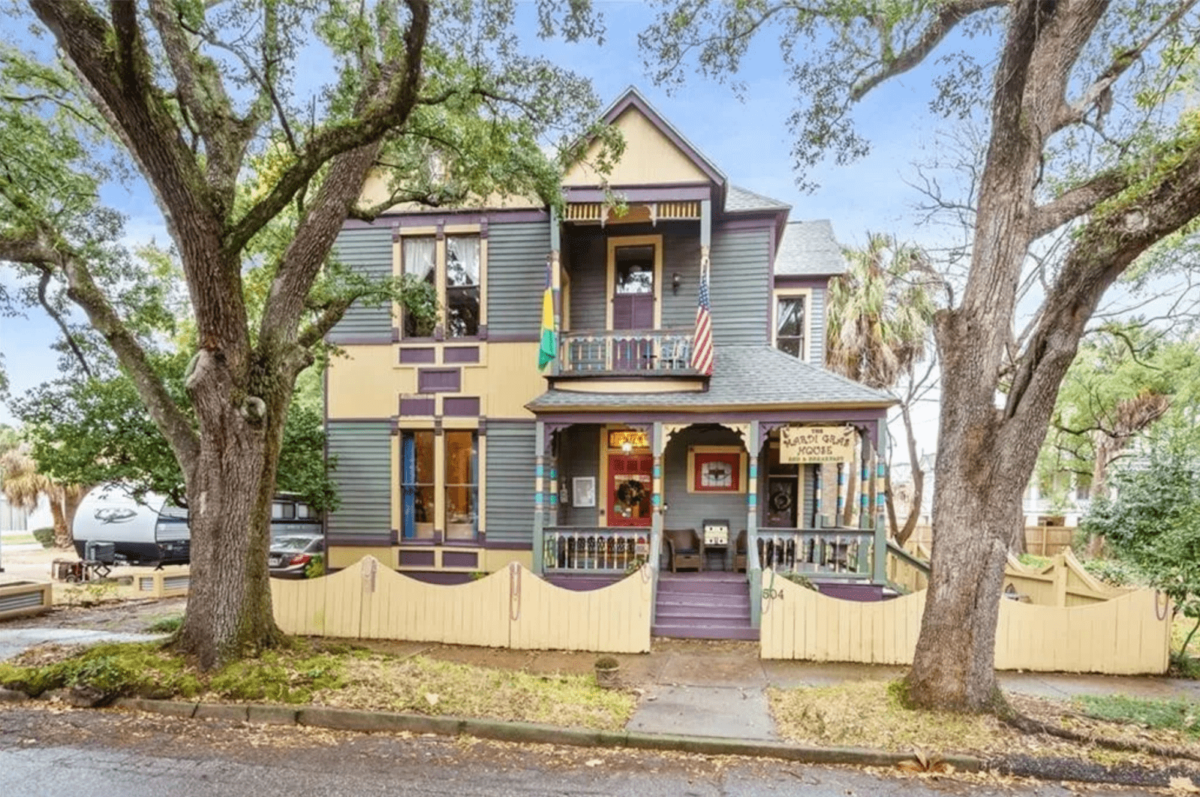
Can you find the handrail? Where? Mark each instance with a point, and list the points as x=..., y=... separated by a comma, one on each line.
x=626, y=351
x=908, y=558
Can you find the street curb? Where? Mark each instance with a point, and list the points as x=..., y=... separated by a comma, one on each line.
x=533, y=733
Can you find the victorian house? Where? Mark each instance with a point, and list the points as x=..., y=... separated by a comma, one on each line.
x=608, y=388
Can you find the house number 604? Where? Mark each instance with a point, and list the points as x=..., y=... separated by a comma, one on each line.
x=770, y=593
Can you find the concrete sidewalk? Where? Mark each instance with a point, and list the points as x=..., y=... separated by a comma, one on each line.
x=720, y=690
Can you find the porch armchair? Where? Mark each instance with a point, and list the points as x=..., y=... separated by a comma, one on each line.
x=739, y=552
x=685, y=549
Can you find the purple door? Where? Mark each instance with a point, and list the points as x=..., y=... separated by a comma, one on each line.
x=633, y=306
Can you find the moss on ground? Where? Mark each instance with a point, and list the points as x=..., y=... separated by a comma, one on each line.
x=332, y=674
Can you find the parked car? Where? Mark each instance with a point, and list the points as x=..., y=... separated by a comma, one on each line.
x=291, y=554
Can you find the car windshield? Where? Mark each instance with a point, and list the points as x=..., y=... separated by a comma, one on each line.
x=291, y=543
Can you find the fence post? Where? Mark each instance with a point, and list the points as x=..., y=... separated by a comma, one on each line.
x=1060, y=581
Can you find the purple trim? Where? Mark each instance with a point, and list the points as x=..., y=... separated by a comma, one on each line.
x=482, y=432
x=395, y=536
x=347, y=540
x=460, y=354
x=509, y=546
x=460, y=559
x=744, y=224
x=359, y=420
x=483, y=228
x=430, y=340
x=801, y=281
x=415, y=542
x=514, y=337
x=649, y=416
x=415, y=558
x=431, y=218
x=395, y=334
x=460, y=406
x=418, y=406
x=633, y=99
x=357, y=340
x=863, y=593
x=627, y=376
x=483, y=333
x=422, y=355
x=444, y=579
x=680, y=193
x=439, y=380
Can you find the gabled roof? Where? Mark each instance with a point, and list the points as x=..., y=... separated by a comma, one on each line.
x=739, y=200
x=808, y=248
x=750, y=376
x=632, y=98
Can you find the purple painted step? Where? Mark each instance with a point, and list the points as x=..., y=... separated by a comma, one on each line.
x=703, y=606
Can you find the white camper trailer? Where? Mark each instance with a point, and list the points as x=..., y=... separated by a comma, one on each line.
x=152, y=530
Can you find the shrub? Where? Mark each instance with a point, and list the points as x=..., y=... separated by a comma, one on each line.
x=1112, y=571
x=44, y=536
x=315, y=567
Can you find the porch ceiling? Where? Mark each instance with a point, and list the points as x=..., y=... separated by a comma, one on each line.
x=744, y=376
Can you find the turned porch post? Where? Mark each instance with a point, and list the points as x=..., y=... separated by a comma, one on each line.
x=753, y=566
x=656, y=496
x=881, y=437
x=539, y=544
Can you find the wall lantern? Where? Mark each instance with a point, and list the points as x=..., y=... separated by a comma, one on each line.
x=676, y=281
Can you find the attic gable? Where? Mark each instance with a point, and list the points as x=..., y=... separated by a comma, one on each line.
x=655, y=153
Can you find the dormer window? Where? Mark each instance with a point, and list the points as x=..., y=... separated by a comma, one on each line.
x=791, y=322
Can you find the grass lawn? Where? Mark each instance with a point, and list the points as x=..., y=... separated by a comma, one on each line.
x=872, y=714
x=329, y=674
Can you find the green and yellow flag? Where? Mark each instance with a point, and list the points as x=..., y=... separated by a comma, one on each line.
x=549, y=348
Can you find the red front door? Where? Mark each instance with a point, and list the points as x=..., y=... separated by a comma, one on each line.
x=630, y=483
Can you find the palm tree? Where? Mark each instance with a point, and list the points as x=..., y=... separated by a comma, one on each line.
x=23, y=485
x=878, y=319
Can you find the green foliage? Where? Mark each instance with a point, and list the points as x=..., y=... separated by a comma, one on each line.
x=1115, y=572
x=1032, y=560
x=1177, y=715
x=315, y=567
x=165, y=625
x=607, y=663
x=1154, y=520
x=114, y=669
x=44, y=536
x=277, y=677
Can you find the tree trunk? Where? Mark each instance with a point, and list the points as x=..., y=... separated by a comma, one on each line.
x=229, y=612
x=72, y=497
x=62, y=531
x=902, y=533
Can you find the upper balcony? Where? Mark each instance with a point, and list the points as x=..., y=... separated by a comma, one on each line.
x=664, y=352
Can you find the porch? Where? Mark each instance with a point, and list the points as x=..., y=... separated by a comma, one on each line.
x=708, y=502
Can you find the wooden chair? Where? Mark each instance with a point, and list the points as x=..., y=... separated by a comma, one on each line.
x=685, y=549
x=739, y=552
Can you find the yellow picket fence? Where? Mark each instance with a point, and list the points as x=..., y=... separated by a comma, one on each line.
x=1129, y=634
x=1061, y=582
x=511, y=608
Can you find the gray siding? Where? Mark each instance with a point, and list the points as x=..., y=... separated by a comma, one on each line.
x=510, y=482
x=588, y=269
x=816, y=348
x=740, y=279
x=368, y=252
x=580, y=457
x=689, y=510
x=363, y=477
x=681, y=255
x=516, y=277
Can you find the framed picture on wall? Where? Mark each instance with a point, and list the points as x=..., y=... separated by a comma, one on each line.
x=584, y=488
x=716, y=469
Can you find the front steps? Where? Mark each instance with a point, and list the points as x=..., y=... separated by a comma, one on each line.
x=703, y=606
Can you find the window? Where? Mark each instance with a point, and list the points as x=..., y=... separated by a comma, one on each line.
x=417, y=502
x=454, y=270
x=283, y=511
x=419, y=259
x=462, y=286
x=790, y=325
x=462, y=480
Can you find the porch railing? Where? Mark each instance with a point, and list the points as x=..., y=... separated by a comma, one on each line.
x=656, y=351
x=828, y=553
x=594, y=549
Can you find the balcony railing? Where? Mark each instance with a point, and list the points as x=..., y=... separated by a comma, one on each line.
x=591, y=549
x=626, y=352
x=837, y=553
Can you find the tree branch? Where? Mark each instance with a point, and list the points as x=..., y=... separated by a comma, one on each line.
x=386, y=108
x=36, y=250
x=1077, y=201
x=330, y=315
x=948, y=17
x=1072, y=113
x=43, y=283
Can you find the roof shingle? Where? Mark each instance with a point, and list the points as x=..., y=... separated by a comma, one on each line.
x=809, y=248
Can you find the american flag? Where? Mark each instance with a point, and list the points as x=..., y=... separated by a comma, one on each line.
x=702, y=346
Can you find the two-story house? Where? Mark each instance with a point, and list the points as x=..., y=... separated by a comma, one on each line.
x=636, y=442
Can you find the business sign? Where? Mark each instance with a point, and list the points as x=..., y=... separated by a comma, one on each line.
x=804, y=444
x=635, y=439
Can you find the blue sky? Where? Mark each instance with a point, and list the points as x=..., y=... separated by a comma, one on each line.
x=748, y=140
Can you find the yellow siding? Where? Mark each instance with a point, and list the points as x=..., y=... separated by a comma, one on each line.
x=1128, y=634
x=649, y=158
x=368, y=381
x=510, y=608
x=341, y=556
x=493, y=560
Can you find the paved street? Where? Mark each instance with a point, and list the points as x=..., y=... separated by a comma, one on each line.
x=73, y=753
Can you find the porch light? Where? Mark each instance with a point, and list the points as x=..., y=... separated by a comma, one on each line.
x=627, y=447
x=676, y=281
